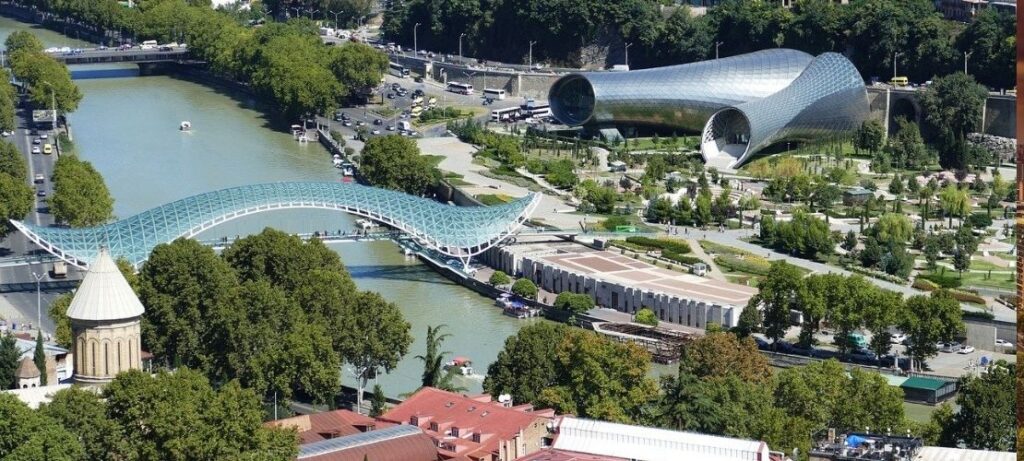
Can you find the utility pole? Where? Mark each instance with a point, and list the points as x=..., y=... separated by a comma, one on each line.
x=530, y=62
x=895, y=55
x=967, y=56
x=39, y=300
x=460, y=45
x=627, y=54
x=717, y=44
x=415, y=43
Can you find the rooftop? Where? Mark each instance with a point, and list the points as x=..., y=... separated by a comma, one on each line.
x=104, y=294
x=612, y=267
x=397, y=443
x=326, y=425
x=464, y=425
x=651, y=444
x=551, y=454
x=918, y=382
x=27, y=369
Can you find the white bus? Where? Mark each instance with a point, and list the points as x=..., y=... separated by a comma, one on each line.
x=535, y=111
x=461, y=88
x=398, y=70
x=148, y=45
x=501, y=115
x=494, y=93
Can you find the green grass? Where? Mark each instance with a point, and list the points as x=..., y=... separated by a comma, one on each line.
x=982, y=265
x=918, y=412
x=434, y=160
x=494, y=199
x=458, y=182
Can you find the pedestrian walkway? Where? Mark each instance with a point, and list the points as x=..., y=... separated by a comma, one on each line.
x=715, y=272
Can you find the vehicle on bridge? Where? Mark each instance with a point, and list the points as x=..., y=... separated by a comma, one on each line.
x=148, y=45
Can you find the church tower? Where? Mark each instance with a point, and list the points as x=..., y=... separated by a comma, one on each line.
x=105, y=319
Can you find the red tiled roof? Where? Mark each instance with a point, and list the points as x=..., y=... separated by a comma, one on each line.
x=325, y=425
x=476, y=414
x=413, y=447
x=551, y=454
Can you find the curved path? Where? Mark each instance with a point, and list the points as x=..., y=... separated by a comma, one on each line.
x=460, y=232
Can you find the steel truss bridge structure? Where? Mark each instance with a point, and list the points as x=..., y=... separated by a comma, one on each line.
x=459, y=232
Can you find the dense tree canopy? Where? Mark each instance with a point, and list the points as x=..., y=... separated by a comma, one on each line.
x=80, y=196
x=16, y=198
x=987, y=412
x=394, y=162
x=44, y=75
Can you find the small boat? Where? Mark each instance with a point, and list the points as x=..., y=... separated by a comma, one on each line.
x=463, y=365
x=504, y=300
x=185, y=126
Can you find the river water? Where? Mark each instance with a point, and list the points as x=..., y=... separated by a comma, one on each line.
x=127, y=126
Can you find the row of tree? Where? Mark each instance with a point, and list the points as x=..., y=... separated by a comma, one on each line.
x=286, y=63
x=848, y=305
x=80, y=196
x=275, y=313
x=170, y=416
x=877, y=34
x=48, y=80
x=394, y=162
x=16, y=198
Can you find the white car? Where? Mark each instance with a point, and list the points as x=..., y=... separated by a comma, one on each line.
x=897, y=338
x=6, y=133
x=44, y=136
x=966, y=349
x=1004, y=343
x=375, y=132
x=35, y=150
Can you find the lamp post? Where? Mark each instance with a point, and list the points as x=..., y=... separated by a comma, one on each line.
x=460, y=45
x=39, y=301
x=627, y=54
x=967, y=56
x=895, y=55
x=717, y=44
x=530, y=61
x=415, y=43
x=296, y=9
x=311, y=12
x=336, y=13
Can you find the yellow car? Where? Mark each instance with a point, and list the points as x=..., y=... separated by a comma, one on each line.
x=47, y=149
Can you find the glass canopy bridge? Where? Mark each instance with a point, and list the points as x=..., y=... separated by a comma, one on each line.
x=459, y=232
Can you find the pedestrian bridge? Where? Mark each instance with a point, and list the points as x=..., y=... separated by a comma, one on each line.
x=460, y=232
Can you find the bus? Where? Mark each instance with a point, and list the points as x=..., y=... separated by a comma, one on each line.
x=398, y=70
x=535, y=111
x=899, y=81
x=416, y=111
x=507, y=114
x=494, y=93
x=461, y=88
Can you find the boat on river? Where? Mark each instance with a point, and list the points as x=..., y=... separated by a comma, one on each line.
x=517, y=308
x=462, y=365
x=185, y=126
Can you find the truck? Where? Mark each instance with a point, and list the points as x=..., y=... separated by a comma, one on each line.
x=405, y=125
x=60, y=270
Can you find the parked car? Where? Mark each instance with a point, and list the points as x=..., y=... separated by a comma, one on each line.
x=1004, y=343
x=965, y=349
x=391, y=128
x=391, y=96
x=347, y=123
x=897, y=338
x=950, y=347
x=378, y=122
x=375, y=131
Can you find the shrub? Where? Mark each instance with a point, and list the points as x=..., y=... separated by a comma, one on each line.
x=978, y=315
x=755, y=266
x=682, y=259
x=942, y=280
x=924, y=284
x=675, y=246
x=612, y=222
x=499, y=278
x=525, y=288
x=967, y=297
x=646, y=316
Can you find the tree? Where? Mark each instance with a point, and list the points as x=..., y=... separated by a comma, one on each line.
x=598, y=378
x=524, y=288
x=722, y=354
x=907, y=146
x=499, y=278
x=283, y=260
x=432, y=359
x=526, y=363
x=749, y=321
x=378, y=402
x=646, y=316
x=39, y=358
x=954, y=202
x=870, y=136
x=377, y=339
x=779, y=293
x=83, y=414
x=850, y=241
x=10, y=354
x=953, y=105
x=394, y=162
x=573, y=302
x=27, y=435
x=179, y=416
x=881, y=313
x=80, y=197
x=23, y=40
x=893, y=228
x=927, y=320
x=987, y=411
x=16, y=201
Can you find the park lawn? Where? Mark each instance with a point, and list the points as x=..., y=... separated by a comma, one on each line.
x=982, y=265
x=494, y=199
x=918, y=412
x=1000, y=281
x=434, y=160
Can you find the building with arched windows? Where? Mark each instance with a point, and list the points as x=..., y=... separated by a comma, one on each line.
x=105, y=319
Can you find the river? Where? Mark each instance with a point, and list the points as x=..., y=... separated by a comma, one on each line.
x=127, y=126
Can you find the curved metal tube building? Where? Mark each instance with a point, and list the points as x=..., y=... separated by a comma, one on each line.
x=689, y=97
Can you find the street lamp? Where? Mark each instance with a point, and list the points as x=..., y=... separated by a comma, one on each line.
x=460, y=45
x=39, y=302
x=530, y=62
x=415, y=43
x=311, y=12
x=336, y=13
x=627, y=54
x=895, y=54
x=967, y=56
x=717, y=44
x=296, y=9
